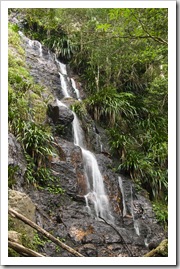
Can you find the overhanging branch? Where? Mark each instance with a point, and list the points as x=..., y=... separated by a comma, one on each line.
x=157, y=39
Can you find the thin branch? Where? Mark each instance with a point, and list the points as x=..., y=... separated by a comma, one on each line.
x=155, y=38
x=123, y=241
x=17, y=215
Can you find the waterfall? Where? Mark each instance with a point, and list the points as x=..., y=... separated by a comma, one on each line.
x=62, y=74
x=64, y=85
x=74, y=87
x=122, y=193
x=94, y=180
x=95, y=193
x=62, y=67
x=80, y=170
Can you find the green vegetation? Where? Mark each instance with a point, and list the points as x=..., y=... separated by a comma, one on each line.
x=79, y=108
x=12, y=172
x=161, y=211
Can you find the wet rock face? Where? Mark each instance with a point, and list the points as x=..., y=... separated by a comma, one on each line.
x=43, y=68
x=16, y=160
x=70, y=169
x=60, y=114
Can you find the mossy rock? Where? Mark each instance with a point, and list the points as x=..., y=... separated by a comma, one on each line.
x=22, y=204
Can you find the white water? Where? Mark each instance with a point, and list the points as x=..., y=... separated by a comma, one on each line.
x=62, y=67
x=78, y=133
x=64, y=85
x=36, y=44
x=60, y=103
x=94, y=180
x=122, y=192
x=76, y=90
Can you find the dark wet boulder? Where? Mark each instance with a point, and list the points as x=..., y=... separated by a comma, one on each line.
x=60, y=114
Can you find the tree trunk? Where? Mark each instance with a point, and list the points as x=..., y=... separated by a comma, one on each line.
x=23, y=250
x=13, y=213
x=160, y=251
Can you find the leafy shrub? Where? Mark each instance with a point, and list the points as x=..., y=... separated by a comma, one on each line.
x=40, y=177
x=36, y=142
x=111, y=105
x=79, y=108
x=161, y=212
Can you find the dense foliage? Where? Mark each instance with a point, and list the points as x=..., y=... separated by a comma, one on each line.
x=121, y=57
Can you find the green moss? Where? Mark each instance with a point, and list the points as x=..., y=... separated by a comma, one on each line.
x=27, y=104
x=14, y=39
x=14, y=59
x=163, y=248
x=33, y=244
x=11, y=224
x=12, y=253
x=27, y=239
x=12, y=172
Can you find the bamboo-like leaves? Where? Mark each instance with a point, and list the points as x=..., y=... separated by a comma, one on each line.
x=111, y=105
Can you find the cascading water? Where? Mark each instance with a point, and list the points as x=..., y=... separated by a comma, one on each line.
x=64, y=85
x=122, y=193
x=60, y=103
x=63, y=77
x=76, y=90
x=62, y=67
x=94, y=180
x=95, y=192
